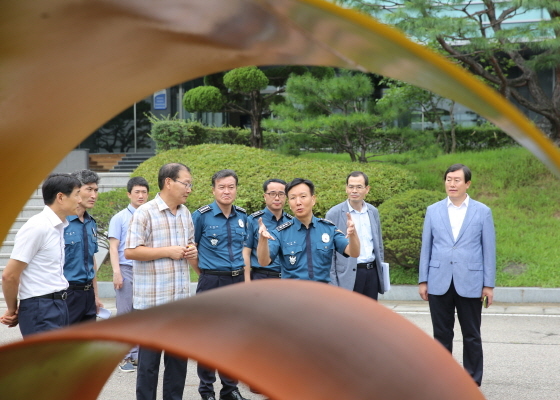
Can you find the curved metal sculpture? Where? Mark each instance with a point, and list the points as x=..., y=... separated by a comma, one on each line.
x=68, y=66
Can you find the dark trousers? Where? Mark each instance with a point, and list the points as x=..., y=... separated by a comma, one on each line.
x=469, y=312
x=255, y=276
x=207, y=376
x=41, y=315
x=147, y=375
x=81, y=305
x=367, y=282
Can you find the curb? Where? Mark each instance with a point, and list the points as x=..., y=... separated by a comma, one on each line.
x=410, y=293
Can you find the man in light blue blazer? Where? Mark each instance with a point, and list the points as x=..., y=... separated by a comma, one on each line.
x=458, y=266
x=363, y=274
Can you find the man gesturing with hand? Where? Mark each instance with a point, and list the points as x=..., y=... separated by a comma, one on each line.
x=305, y=244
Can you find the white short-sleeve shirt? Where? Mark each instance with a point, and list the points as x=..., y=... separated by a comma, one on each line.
x=40, y=244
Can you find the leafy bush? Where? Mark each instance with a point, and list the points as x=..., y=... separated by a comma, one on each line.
x=483, y=137
x=254, y=166
x=402, y=220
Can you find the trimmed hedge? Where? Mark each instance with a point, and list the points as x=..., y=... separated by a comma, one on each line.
x=402, y=221
x=254, y=166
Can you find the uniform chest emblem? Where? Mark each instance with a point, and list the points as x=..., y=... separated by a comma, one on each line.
x=241, y=224
x=325, y=238
x=292, y=260
x=213, y=242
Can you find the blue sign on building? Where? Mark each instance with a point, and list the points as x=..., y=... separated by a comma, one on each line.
x=160, y=100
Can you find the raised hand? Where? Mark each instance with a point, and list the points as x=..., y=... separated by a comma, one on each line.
x=263, y=232
x=350, y=227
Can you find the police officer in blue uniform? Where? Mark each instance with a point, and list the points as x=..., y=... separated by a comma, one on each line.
x=80, y=246
x=220, y=229
x=272, y=216
x=305, y=244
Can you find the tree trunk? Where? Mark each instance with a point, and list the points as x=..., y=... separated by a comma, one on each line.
x=452, y=121
x=256, y=117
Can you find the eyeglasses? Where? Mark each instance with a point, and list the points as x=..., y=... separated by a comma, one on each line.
x=280, y=195
x=188, y=185
x=358, y=187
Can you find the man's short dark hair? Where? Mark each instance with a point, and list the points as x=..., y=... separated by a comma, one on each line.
x=137, y=181
x=273, y=180
x=299, y=181
x=58, y=183
x=457, y=167
x=357, y=174
x=86, y=176
x=224, y=173
x=171, y=171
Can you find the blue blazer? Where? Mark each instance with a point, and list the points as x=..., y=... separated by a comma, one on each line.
x=343, y=270
x=470, y=260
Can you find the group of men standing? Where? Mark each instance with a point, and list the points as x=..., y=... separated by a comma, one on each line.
x=152, y=244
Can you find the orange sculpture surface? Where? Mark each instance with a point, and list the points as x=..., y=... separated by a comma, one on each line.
x=68, y=66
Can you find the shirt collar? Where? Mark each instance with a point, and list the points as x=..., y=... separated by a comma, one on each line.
x=71, y=218
x=299, y=225
x=53, y=218
x=465, y=202
x=131, y=209
x=350, y=208
x=217, y=210
x=271, y=216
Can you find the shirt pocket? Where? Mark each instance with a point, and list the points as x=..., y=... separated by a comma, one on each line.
x=474, y=266
x=212, y=237
x=325, y=252
x=291, y=256
x=434, y=264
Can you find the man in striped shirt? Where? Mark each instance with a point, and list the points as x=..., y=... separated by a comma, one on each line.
x=160, y=240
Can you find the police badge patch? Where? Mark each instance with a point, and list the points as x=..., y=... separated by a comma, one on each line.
x=292, y=260
x=325, y=238
x=241, y=224
x=214, y=242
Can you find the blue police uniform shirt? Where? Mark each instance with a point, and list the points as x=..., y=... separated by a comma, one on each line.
x=80, y=245
x=220, y=239
x=307, y=253
x=270, y=221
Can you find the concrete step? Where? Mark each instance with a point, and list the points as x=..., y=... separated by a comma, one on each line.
x=7, y=247
x=18, y=223
x=11, y=234
x=29, y=211
x=113, y=178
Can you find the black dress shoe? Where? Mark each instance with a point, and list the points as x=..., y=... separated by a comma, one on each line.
x=208, y=397
x=235, y=395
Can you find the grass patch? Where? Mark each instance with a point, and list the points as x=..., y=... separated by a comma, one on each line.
x=105, y=273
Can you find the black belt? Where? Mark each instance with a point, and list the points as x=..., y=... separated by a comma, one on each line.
x=236, y=272
x=266, y=271
x=86, y=286
x=53, y=296
x=370, y=265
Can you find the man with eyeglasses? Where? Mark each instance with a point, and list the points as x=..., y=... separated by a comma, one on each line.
x=272, y=215
x=362, y=274
x=220, y=231
x=160, y=241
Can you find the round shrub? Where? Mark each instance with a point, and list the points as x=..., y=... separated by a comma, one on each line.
x=402, y=220
x=254, y=166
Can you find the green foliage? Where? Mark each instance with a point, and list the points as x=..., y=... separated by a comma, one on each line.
x=245, y=80
x=108, y=204
x=204, y=98
x=402, y=219
x=484, y=137
x=337, y=110
x=254, y=166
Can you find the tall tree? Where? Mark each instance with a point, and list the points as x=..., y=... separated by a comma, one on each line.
x=337, y=108
x=240, y=91
x=401, y=99
x=505, y=42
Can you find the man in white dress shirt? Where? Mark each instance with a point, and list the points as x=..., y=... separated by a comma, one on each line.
x=35, y=268
x=363, y=274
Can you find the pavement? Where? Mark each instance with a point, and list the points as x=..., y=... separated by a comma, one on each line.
x=521, y=351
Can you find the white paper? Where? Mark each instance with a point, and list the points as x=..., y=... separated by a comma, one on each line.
x=386, y=277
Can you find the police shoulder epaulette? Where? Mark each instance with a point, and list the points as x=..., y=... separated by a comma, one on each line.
x=326, y=221
x=257, y=214
x=284, y=225
x=289, y=216
x=240, y=209
x=204, y=209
